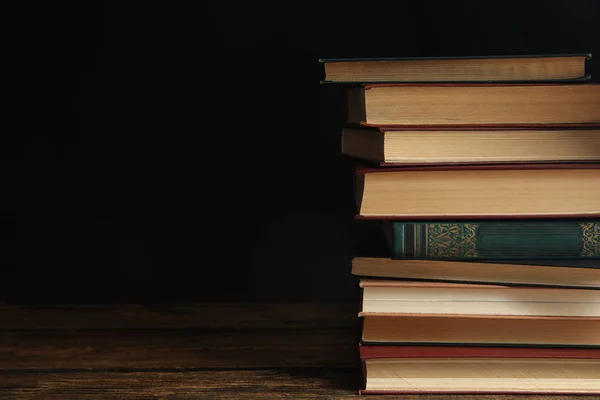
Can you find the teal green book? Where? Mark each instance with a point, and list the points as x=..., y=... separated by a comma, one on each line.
x=494, y=240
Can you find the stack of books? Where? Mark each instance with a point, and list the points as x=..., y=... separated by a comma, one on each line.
x=484, y=173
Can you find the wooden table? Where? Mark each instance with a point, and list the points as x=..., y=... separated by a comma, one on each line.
x=203, y=351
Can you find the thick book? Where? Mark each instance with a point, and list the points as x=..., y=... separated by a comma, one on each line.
x=436, y=193
x=474, y=105
x=507, y=330
x=506, y=68
x=393, y=146
x=481, y=370
x=396, y=298
x=550, y=239
x=476, y=272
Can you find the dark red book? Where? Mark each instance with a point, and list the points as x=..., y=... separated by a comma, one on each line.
x=397, y=369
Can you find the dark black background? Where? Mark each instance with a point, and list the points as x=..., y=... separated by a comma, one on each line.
x=181, y=151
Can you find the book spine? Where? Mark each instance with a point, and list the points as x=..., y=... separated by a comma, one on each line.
x=495, y=240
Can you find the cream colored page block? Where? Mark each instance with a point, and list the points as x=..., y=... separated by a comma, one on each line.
x=493, y=104
x=491, y=192
x=489, y=146
x=526, y=375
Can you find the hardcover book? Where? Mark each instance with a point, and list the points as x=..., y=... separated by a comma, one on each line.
x=477, y=272
x=509, y=330
x=442, y=193
x=482, y=370
x=474, y=105
x=541, y=67
x=396, y=298
x=551, y=239
x=397, y=146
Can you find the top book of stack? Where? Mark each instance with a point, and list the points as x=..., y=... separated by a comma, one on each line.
x=515, y=68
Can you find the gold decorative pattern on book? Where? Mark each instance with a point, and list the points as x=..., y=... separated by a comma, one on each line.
x=451, y=240
x=590, y=239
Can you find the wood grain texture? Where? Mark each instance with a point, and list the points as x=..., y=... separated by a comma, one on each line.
x=204, y=315
x=298, y=383
x=176, y=350
x=204, y=351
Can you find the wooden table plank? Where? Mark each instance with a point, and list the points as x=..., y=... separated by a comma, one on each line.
x=128, y=350
x=202, y=351
x=293, y=383
x=212, y=316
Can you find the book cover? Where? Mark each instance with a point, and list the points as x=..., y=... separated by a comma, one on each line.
x=495, y=240
x=490, y=68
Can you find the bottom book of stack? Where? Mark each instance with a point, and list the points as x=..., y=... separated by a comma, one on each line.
x=452, y=337
x=479, y=369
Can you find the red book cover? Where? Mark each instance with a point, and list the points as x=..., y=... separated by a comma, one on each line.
x=401, y=351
